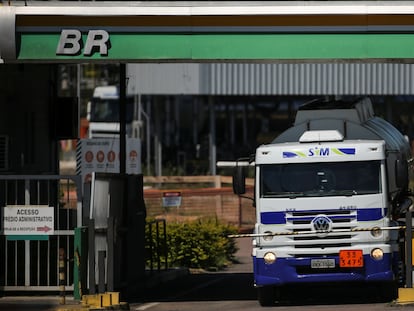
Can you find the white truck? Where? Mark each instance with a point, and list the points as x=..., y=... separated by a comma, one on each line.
x=103, y=113
x=328, y=192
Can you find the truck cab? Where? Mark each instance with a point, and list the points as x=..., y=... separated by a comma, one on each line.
x=103, y=113
x=327, y=194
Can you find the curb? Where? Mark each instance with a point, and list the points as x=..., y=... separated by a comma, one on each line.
x=105, y=301
x=405, y=296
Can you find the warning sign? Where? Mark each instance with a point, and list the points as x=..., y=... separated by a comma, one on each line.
x=101, y=155
x=28, y=220
x=171, y=199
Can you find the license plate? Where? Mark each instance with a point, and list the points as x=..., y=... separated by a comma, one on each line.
x=351, y=259
x=322, y=263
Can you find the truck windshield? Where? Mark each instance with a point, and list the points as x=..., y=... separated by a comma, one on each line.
x=107, y=110
x=320, y=179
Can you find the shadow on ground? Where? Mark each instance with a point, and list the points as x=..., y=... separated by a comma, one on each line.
x=239, y=286
x=205, y=287
x=333, y=294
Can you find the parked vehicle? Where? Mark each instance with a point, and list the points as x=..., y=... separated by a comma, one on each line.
x=103, y=113
x=328, y=193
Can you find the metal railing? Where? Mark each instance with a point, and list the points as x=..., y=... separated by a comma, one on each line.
x=29, y=263
x=156, y=246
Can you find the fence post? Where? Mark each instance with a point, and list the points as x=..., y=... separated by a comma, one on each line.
x=62, y=277
x=151, y=247
x=409, y=250
x=79, y=268
x=165, y=243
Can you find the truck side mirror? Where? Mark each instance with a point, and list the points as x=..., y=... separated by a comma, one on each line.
x=401, y=173
x=404, y=207
x=239, y=180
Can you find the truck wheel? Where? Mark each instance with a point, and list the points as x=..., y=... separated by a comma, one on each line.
x=266, y=296
x=388, y=291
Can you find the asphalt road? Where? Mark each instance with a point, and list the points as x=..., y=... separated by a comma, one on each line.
x=233, y=290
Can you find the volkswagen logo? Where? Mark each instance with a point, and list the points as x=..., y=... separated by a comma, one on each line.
x=322, y=224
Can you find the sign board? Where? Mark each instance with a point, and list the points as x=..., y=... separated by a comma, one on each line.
x=204, y=33
x=28, y=220
x=171, y=199
x=101, y=155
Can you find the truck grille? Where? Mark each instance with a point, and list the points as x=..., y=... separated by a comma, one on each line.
x=301, y=221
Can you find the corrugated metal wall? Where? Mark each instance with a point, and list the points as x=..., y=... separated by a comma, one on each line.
x=273, y=79
x=164, y=78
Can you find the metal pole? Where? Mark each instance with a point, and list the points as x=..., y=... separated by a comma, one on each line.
x=212, y=136
x=164, y=224
x=157, y=141
x=245, y=124
x=408, y=250
x=110, y=256
x=101, y=271
x=151, y=246
x=91, y=256
x=78, y=94
x=240, y=212
x=122, y=118
x=27, y=242
x=62, y=276
x=147, y=122
x=157, y=228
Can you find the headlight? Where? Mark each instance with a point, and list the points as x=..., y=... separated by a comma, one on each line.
x=376, y=232
x=268, y=237
x=269, y=258
x=377, y=254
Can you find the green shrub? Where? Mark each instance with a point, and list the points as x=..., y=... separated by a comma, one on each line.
x=199, y=244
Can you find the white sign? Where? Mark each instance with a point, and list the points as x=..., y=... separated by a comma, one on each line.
x=28, y=220
x=101, y=155
x=171, y=199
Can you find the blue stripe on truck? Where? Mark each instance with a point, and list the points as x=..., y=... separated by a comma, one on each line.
x=278, y=218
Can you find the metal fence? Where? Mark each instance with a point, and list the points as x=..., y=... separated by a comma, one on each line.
x=156, y=245
x=31, y=264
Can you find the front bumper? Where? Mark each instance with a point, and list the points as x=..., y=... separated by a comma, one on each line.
x=298, y=270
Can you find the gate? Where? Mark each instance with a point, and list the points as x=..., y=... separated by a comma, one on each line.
x=31, y=264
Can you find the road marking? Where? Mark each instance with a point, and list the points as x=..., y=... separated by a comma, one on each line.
x=147, y=306
x=182, y=294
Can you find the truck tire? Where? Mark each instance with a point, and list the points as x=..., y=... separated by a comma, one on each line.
x=266, y=296
x=388, y=291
